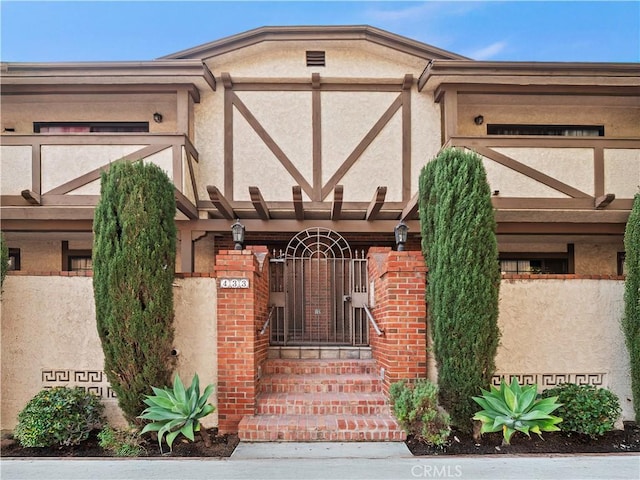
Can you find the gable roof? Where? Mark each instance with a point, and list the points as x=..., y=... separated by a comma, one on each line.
x=315, y=33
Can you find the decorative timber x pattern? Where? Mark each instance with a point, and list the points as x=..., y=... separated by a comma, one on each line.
x=577, y=199
x=314, y=187
x=57, y=196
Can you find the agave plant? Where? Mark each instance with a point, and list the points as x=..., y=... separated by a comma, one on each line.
x=173, y=411
x=514, y=408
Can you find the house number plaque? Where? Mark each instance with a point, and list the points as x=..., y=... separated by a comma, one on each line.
x=234, y=283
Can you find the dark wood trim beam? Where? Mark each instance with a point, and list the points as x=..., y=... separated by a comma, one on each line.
x=272, y=145
x=36, y=166
x=316, y=129
x=410, y=212
x=376, y=203
x=598, y=171
x=406, y=137
x=95, y=174
x=362, y=146
x=297, y=202
x=604, y=200
x=536, y=141
x=186, y=251
x=336, y=206
x=30, y=196
x=52, y=213
x=561, y=228
x=70, y=200
x=450, y=112
x=221, y=203
x=325, y=86
x=226, y=80
x=532, y=173
x=295, y=226
x=228, y=142
x=258, y=203
x=184, y=205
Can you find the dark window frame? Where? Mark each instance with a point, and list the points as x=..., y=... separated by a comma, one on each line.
x=546, y=259
x=98, y=127
x=15, y=254
x=620, y=262
x=541, y=129
x=69, y=255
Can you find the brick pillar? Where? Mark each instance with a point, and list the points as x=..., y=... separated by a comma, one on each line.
x=241, y=312
x=400, y=309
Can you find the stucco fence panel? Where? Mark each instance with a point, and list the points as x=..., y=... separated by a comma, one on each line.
x=49, y=338
x=556, y=330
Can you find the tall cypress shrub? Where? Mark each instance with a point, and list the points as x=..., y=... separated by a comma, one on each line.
x=631, y=318
x=460, y=249
x=133, y=270
x=4, y=260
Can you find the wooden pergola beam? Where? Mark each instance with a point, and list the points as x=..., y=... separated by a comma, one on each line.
x=604, y=200
x=336, y=206
x=411, y=210
x=376, y=203
x=30, y=196
x=221, y=203
x=258, y=203
x=297, y=202
x=185, y=206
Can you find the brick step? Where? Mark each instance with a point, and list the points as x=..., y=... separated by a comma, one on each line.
x=320, y=428
x=347, y=383
x=319, y=367
x=322, y=404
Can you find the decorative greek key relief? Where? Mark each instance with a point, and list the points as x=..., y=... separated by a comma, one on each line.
x=549, y=380
x=94, y=381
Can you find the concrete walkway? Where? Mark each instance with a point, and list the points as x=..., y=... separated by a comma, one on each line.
x=335, y=461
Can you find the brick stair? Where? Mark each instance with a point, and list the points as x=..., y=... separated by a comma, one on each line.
x=320, y=400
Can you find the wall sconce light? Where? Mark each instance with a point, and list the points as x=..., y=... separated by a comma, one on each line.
x=479, y=120
x=401, y=231
x=157, y=117
x=496, y=193
x=237, y=232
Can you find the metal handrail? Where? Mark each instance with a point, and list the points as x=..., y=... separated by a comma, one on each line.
x=266, y=324
x=373, y=321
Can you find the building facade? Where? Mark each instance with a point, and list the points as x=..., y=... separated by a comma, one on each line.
x=313, y=138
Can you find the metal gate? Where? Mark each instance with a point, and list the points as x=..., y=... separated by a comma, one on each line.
x=318, y=290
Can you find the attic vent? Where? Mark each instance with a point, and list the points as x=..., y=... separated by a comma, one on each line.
x=315, y=58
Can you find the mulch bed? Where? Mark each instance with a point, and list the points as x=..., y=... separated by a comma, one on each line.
x=221, y=446
x=618, y=441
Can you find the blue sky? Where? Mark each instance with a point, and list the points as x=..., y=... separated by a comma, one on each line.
x=577, y=31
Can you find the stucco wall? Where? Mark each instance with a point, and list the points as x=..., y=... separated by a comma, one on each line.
x=20, y=111
x=548, y=328
x=286, y=116
x=49, y=338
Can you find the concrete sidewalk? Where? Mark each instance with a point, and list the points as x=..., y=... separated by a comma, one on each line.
x=335, y=461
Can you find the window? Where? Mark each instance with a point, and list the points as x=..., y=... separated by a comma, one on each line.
x=75, y=260
x=14, y=259
x=91, y=127
x=621, y=265
x=80, y=263
x=537, y=263
x=554, y=130
x=315, y=58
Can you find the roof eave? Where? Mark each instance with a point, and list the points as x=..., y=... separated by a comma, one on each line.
x=315, y=33
x=440, y=71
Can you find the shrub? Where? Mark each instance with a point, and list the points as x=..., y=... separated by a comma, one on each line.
x=175, y=411
x=4, y=260
x=122, y=443
x=416, y=408
x=631, y=317
x=59, y=416
x=460, y=248
x=514, y=408
x=585, y=408
x=134, y=255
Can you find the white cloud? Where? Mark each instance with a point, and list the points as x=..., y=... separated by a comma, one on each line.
x=488, y=52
